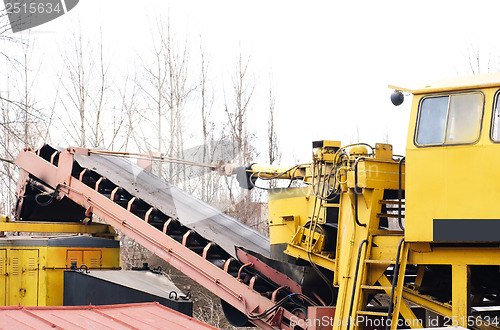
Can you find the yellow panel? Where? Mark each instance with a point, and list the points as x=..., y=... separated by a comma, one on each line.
x=23, y=277
x=14, y=277
x=373, y=173
x=97, y=229
x=60, y=258
x=450, y=182
x=3, y=278
x=454, y=84
x=92, y=259
x=35, y=276
x=29, y=278
x=288, y=209
x=74, y=256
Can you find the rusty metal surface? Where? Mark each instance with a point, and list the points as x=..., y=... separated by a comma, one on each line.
x=208, y=221
x=129, y=316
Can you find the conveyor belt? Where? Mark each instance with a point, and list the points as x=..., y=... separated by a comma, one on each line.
x=191, y=212
x=150, y=191
x=247, y=291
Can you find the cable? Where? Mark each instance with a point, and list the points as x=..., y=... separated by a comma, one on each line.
x=356, y=193
x=268, y=311
x=395, y=279
x=7, y=161
x=265, y=313
x=312, y=230
x=355, y=282
x=160, y=157
x=400, y=193
x=324, y=180
x=51, y=198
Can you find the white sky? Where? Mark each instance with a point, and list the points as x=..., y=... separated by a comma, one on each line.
x=330, y=61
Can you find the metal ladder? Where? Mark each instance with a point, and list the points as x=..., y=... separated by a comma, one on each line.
x=393, y=290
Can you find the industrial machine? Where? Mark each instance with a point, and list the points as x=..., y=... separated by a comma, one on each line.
x=368, y=239
x=33, y=275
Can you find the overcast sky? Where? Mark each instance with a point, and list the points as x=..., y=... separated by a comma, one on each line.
x=330, y=61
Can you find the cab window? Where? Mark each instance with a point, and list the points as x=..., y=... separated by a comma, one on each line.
x=450, y=119
x=495, y=130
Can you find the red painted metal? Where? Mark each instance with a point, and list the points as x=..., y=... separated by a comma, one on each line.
x=322, y=315
x=130, y=203
x=20, y=188
x=213, y=278
x=165, y=226
x=249, y=264
x=206, y=249
x=54, y=154
x=275, y=292
x=82, y=173
x=127, y=316
x=269, y=272
x=113, y=193
x=148, y=213
x=185, y=237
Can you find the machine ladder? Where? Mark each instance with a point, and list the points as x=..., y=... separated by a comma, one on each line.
x=370, y=279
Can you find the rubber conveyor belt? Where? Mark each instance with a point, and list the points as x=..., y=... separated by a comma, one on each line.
x=191, y=212
x=150, y=212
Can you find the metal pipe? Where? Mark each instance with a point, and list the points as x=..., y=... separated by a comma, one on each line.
x=150, y=156
x=355, y=281
x=400, y=193
x=394, y=283
x=356, y=193
x=68, y=268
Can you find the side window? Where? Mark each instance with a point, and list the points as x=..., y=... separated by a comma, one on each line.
x=432, y=121
x=451, y=119
x=495, y=130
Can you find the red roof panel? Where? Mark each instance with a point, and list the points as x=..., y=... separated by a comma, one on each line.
x=129, y=316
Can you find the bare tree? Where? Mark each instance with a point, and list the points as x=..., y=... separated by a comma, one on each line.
x=475, y=60
x=85, y=87
x=9, y=139
x=479, y=59
x=23, y=121
x=167, y=91
x=272, y=136
x=244, y=207
x=99, y=100
x=236, y=114
x=130, y=119
x=206, y=110
x=179, y=92
x=157, y=78
x=5, y=26
x=32, y=129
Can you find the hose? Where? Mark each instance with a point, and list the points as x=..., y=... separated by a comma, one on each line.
x=356, y=193
x=394, y=283
x=355, y=281
x=400, y=194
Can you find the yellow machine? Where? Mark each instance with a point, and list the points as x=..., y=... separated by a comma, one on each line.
x=409, y=241
x=32, y=268
x=397, y=242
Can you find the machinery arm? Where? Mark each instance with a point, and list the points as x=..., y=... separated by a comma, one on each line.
x=247, y=176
